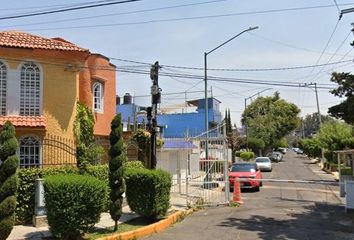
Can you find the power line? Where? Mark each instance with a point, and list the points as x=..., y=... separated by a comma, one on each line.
x=289, y=45
x=116, y=14
x=193, y=76
x=327, y=43
x=66, y=9
x=339, y=47
x=241, y=69
x=192, y=18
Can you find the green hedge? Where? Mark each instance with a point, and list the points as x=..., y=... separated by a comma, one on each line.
x=27, y=178
x=26, y=190
x=74, y=203
x=247, y=155
x=148, y=192
x=346, y=171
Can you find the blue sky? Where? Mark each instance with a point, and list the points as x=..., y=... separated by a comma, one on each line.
x=285, y=38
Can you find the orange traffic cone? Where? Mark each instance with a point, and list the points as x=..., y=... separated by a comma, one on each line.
x=237, y=192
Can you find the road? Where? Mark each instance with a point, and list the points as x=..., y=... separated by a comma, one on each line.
x=277, y=212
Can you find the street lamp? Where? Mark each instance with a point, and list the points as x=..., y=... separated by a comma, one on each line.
x=246, y=127
x=206, y=85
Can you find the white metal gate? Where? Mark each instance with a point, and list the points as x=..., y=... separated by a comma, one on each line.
x=201, y=181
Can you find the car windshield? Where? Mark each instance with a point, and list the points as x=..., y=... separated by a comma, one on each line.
x=243, y=168
x=262, y=160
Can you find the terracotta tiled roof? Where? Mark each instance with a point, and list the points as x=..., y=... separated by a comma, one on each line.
x=24, y=121
x=26, y=40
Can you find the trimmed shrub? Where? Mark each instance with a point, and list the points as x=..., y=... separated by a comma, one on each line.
x=117, y=157
x=74, y=204
x=148, y=192
x=247, y=155
x=133, y=165
x=8, y=179
x=346, y=171
x=26, y=190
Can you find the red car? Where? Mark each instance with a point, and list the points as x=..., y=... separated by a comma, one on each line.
x=245, y=170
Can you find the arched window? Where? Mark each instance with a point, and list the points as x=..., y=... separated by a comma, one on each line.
x=30, y=90
x=97, y=97
x=29, y=152
x=3, y=88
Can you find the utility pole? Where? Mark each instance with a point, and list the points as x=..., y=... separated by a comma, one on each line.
x=155, y=99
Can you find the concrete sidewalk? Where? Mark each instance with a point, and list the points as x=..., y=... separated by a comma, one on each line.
x=21, y=232
x=325, y=176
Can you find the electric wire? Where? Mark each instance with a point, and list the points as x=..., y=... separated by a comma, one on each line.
x=115, y=14
x=327, y=43
x=240, y=69
x=67, y=9
x=189, y=18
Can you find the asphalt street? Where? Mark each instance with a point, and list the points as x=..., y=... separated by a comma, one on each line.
x=279, y=211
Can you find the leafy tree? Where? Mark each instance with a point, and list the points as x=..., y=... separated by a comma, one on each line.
x=117, y=153
x=335, y=136
x=270, y=119
x=8, y=179
x=311, y=147
x=310, y=124
x=256, y=144
x=87, y=152
x=345, y=88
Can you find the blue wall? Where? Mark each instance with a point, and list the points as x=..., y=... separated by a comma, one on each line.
x=178, y=125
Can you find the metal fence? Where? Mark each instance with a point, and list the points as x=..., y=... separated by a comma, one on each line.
x=202, y=181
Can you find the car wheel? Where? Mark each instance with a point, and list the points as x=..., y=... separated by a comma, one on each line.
x=256, y=189
x=261, y=184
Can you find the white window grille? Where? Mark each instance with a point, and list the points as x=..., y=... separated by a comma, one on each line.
x=30, y=93
x=29, y=152
x=3, y=88
x=98, y=97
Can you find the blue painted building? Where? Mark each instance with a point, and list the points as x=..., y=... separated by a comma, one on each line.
x=174, y=125
x=179, y=125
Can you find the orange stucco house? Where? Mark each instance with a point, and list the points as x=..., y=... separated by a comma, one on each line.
x=41, y=79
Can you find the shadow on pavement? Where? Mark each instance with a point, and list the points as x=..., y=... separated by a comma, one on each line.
x=319, y=221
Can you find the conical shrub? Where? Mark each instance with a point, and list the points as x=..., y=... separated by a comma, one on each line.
x=117, y=153
x=8, y=179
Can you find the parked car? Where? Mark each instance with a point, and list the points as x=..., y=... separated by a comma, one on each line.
x=280, y=155
x=300, y=151
x=283, y=150
x=264, y=164
x=275, y=156
x=245, y=170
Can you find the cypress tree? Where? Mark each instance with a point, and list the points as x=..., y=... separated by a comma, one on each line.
x=229, y=125
x=117, y=153
x=8, y=179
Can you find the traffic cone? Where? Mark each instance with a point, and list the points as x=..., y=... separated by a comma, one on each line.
x=236, y=197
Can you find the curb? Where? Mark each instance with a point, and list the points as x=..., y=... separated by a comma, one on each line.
x=150, y=229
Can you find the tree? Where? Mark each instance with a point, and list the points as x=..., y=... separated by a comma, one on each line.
x=87, y=152
x=345, y=88
x=270, y=119
x=8, y=179
x=310, y=124
x=335, y=136
x=117, y=153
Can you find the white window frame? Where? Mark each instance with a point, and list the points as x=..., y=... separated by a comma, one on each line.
x=97, y=100
x=33, y=156
x=30, y=89
x=3, y=88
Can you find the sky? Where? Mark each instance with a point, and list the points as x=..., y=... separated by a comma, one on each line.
x=291, y=33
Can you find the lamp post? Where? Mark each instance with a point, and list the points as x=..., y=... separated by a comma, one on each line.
x=206, y=85
x=246, y=127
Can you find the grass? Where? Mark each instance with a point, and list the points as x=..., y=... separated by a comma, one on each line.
x=124, y=227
